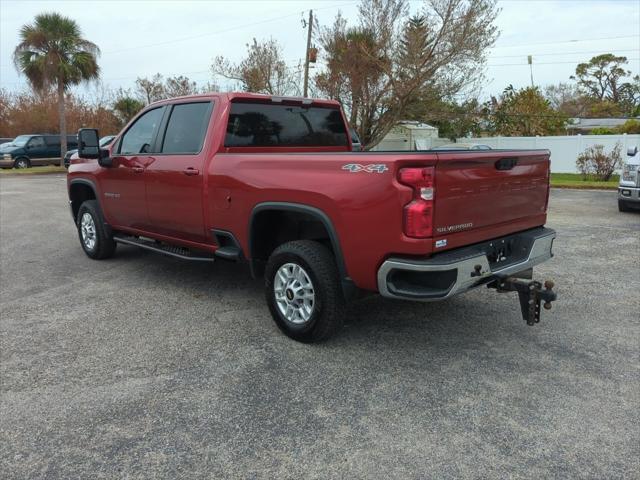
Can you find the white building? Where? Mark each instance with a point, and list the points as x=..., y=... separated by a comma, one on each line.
x=409, y=135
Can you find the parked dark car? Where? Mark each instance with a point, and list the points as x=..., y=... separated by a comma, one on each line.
x=4, y=140
x=31, y=150
x=104, y=141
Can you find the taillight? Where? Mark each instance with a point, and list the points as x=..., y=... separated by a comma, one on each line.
x=418, y=215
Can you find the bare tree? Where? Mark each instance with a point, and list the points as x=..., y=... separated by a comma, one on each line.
x=262, y=71
x=150, y=90
x=156, y=88
x=378, y=68
x=179, y=86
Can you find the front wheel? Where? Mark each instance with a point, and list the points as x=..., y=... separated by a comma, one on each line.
x=21, y=163
x=97, y=242
x=623, y=207
x=302, y=288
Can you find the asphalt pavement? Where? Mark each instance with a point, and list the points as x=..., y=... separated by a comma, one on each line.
x=143, y=366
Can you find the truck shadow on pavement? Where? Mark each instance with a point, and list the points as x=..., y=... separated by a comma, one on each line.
x=228, y=287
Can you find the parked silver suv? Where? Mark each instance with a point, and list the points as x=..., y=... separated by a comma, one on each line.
x=629, y=187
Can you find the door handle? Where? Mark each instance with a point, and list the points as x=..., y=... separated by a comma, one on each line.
x=137, y=169
x=191, y=171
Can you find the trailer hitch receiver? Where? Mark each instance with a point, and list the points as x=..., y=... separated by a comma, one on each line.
x=530, y=294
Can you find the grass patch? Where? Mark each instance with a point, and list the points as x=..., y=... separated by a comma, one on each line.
x=33, y=170
x=575, y=180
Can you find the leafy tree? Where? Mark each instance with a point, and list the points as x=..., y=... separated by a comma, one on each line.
x=126, y=107
x=53, y=54
x=631, y=126
x=600, y=78
x=524, y=112
x=381, y=67
x=263, y=70
x=454, y=120
x=605, y=79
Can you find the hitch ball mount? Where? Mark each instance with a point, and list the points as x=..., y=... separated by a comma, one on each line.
x=530, y=293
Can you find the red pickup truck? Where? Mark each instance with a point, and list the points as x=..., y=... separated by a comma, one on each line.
x=273, y=181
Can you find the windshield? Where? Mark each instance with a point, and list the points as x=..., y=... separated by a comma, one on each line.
x=20, y=141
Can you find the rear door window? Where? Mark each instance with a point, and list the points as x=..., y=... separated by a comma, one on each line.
x=269, y=125
x=186, y=128
x=139, y=138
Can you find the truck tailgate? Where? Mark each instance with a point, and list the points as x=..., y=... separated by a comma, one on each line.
x=476, y=190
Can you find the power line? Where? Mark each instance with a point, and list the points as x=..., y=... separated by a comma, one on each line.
x=541, y=63
x=218, y=32
x=566, y=53
x=555, y=42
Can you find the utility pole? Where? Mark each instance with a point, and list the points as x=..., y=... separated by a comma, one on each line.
x=305, y=88
x=530, y=61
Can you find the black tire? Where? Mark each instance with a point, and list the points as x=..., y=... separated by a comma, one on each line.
x=21, y=162
x=328, y=304
x=104, y=245
x=622, y=206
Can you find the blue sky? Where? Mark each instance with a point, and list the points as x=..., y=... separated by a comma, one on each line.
x=141, y=38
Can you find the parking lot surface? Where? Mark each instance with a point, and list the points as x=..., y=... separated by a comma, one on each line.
x=143, y=366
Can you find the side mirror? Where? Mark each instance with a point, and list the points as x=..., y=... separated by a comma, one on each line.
x=631, y=151
x=89, y=146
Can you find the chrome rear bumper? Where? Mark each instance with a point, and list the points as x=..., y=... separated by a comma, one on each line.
x=450, y=273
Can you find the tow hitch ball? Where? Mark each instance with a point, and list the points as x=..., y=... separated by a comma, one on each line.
x=530, y=294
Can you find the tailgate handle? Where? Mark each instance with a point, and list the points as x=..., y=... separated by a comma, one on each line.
x=506, y=163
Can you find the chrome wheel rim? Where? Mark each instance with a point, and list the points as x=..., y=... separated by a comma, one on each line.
x=294, y=293
x=88, y=231
x=21, y=164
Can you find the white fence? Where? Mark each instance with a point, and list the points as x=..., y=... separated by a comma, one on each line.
x=564, y=149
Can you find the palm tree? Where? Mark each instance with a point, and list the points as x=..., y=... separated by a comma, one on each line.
x=53, y=54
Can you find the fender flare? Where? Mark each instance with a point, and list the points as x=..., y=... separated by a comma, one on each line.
x=82, y=181
x=348, y=286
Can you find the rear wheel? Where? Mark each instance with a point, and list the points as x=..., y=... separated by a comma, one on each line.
x=622, y=206
x=21, y=162
x=302, y=288
x=97, y=242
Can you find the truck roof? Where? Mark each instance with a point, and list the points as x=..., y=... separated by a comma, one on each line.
x=230, y=96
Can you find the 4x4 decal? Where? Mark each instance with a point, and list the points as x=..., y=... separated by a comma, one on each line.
x=371, y=168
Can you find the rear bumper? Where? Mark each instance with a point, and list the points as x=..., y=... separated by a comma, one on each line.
x=450, y=273
x=629, y=194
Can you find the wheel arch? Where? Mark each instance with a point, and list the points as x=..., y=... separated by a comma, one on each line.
x=258, y=254
x=20, y=157
x=80, y=190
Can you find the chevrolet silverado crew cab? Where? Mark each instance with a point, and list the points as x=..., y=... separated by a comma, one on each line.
x=273, y=182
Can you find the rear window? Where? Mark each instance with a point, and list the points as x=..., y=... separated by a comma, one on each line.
x=186, y=128
x=268, y=125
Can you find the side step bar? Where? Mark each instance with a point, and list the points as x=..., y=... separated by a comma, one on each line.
x=173, y=251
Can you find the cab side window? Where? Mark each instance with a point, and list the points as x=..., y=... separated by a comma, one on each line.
x=139, y=138
x=186, y=128
x=36, y=142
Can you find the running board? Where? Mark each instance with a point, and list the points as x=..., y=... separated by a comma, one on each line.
x=171, y=250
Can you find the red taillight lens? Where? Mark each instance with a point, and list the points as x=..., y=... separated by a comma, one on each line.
x=418, y=215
